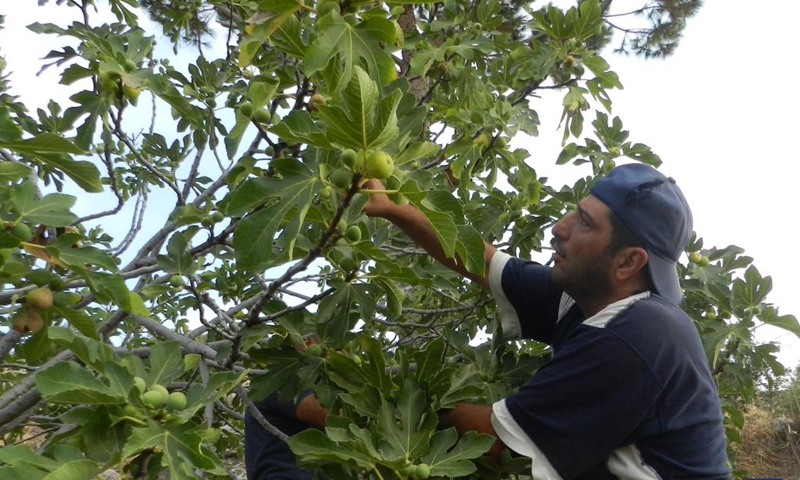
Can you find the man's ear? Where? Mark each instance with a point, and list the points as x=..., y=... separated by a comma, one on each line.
x=628, y=262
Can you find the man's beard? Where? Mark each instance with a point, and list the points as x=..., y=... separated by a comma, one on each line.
x=587, y=281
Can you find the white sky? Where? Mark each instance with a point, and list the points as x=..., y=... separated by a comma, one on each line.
x=721, y=113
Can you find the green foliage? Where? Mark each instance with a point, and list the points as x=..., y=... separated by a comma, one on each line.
x=208, y=253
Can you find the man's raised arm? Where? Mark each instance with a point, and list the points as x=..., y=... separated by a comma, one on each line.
x=417, y=226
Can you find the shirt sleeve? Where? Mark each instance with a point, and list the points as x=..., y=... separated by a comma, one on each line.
x=586, y=402
x=527, y=300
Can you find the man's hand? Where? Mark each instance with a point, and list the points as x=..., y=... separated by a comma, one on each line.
x=472, y=417
x=379, y=204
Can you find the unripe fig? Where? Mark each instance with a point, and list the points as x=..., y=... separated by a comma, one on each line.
x=262, y=115
x=379, y=165
x=341, y=178
x=66, y=299
x=160, y=388
x=154, y=398
x=315, y=350
x=40, y=298
x=139, y=383
x=481, y=140
x=349, y=157
x=57, y=284
x=21, y=231
x=246, y=109
x=353, y=233
x=40, y=278
x=176, y=281
x=130, y=410
x=130, y=65
x=132, y=93
x=347, y=263
x=341, y=227
x=408, y=470
x=695, y=257
x=422, y=471
x=176, y=401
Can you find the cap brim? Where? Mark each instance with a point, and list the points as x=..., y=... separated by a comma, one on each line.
x=664, y=275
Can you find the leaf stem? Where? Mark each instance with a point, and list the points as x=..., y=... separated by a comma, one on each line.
x=377, y=472
x=371, y=191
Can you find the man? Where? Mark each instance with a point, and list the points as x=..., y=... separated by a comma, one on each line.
x=627, y=393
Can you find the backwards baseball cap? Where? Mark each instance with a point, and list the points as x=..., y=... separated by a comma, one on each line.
x=653, y=207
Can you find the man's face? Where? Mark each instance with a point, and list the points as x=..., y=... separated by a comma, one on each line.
x=581, y=263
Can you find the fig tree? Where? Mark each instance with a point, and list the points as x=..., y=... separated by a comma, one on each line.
x=40, y=298
x=176, y=401
x=379, y=164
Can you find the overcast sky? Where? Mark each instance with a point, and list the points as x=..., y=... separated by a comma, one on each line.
x=721, y=113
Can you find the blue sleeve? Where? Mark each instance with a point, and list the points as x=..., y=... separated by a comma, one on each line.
x=527, y=299
x=589, y=400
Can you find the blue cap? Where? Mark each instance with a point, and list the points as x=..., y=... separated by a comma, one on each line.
x=655, y=210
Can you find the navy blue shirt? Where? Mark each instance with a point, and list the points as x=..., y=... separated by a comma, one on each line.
x=627, y=393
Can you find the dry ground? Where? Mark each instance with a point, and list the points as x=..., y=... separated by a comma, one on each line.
x=770, y=447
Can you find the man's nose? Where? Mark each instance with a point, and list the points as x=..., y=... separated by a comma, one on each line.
x=561, y=228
